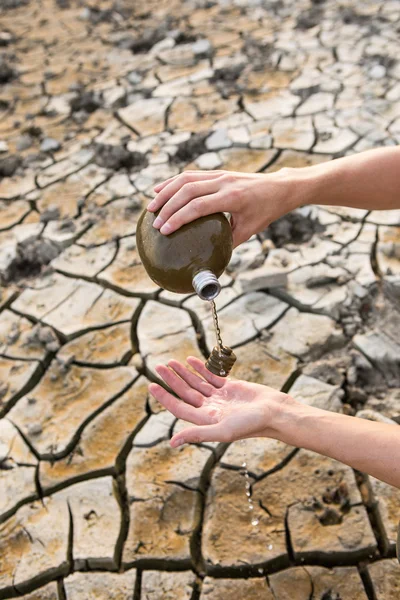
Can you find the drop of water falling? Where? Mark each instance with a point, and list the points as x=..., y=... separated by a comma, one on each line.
x=254, y=520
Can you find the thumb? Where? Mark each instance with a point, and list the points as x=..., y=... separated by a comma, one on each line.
x=202, y=433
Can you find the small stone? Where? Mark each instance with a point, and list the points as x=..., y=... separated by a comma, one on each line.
x=209, y=160
x=134, y=77
x=51, y=213
x=50, y=145
x=9, y=165
x=377, y=72
x=6, y=38
x=34, y=430
x=218, y=140
x=202, y=48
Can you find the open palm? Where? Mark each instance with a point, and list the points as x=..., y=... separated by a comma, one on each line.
x=222, y=410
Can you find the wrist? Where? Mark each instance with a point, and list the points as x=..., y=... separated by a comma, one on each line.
x=294, y=422
x=292, y=188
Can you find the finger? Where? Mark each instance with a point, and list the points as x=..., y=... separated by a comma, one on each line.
x=162, y=184
x=204, y=433
x=216, y=381
x=177, y=407
x=177, y=182
x=180, y=387
x=199, y=207
x=193, y=380
x=188, y=192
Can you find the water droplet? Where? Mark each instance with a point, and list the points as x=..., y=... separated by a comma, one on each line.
x=248, y=494
x=260, y=571
x=222, y=373
x=247, y=485
x=244, y=464
x=251, y=507
x=255, y=522
x=270, y=547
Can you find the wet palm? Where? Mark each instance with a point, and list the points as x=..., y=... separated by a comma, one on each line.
x=222, y=409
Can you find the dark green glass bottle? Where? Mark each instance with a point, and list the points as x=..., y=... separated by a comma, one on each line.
x=190, y=259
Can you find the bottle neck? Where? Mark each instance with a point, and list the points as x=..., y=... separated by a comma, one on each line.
x=206, y=285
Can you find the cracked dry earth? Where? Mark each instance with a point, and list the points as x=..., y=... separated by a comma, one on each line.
x=98, y=103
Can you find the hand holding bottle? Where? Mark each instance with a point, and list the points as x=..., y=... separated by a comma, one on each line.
x=366, y=180
x=254, y=200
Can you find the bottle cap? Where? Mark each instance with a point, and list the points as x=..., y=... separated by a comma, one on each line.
x=206, y=285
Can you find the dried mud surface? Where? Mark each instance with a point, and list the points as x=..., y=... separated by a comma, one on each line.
x=98, y=103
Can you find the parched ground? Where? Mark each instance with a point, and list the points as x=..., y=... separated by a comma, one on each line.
x=98, y=102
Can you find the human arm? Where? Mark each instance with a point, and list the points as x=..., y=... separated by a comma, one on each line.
x=226, y=410
x=369, y=180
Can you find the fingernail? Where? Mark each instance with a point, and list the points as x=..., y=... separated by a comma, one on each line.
x=177, y=443
x=151, y=205
x=158, y=222
x=166, y=229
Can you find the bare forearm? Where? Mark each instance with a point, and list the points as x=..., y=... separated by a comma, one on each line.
x=369, y=180
x=368, y=446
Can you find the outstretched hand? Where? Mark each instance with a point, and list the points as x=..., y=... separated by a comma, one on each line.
x=222, y=410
